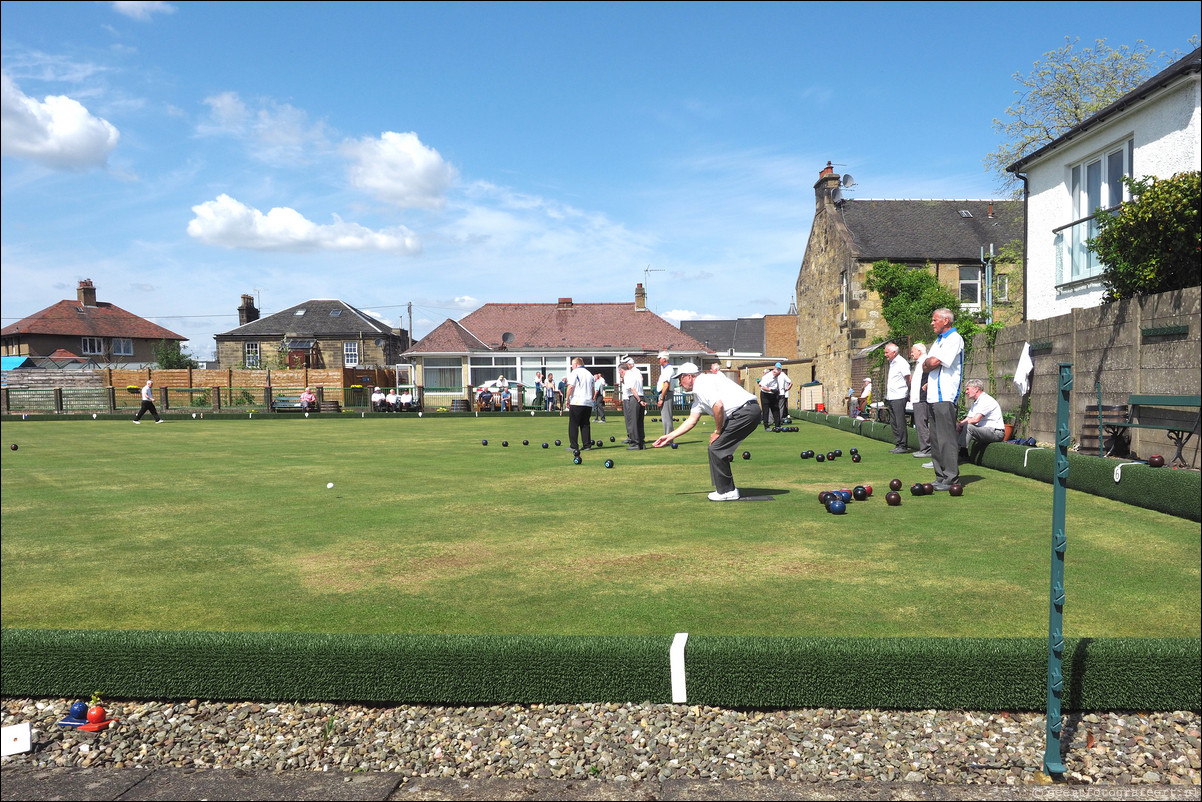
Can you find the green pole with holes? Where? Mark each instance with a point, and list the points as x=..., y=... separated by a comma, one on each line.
x=1052, y=762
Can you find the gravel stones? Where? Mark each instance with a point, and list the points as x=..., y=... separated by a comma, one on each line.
x=619, y=742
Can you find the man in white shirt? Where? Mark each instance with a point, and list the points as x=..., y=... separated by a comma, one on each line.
x=147, y=403
x=406, y=400
x=735, y=413
x=897, y=392
x=390, y=400
x=633, y=405
x=865, y=400
x=783, y=385
x=666, y=373
x=579, y=402
x=983, y=422
x=769, y=400
x=377, y=400
x=945, y=363
x=598, y=398
x=918, y=400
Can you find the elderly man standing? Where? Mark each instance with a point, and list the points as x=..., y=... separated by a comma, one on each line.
x=897, y=392
x=735, y=414
x=632, y=405
x=946, y=363
x=666, y=373
x=918, y=399
x=983, y=422
x=580, y=406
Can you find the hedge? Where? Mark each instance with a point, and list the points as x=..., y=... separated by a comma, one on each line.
x=1177, y=493
x=738, y=672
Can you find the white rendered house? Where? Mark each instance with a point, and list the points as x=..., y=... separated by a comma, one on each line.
x=1154, y=130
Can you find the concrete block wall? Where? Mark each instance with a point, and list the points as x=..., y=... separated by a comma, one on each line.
x=1116, y=346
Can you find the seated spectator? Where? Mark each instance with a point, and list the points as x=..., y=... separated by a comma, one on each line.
x=390, y=400
x=982, y=424
x=864, y=408
x=406, y=401
x=506, y=400
x=377, y=400
x=484, y=400
x=308, y=401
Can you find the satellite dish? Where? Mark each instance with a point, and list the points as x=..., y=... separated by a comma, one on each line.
x=848, y=181
x=506, y=338
x=379, y=341
x=836, y=196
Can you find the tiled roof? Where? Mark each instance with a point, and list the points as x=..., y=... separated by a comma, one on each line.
x=745, y=335
x=552, y=327
x=316, y=318
x=918, y=230
x=73, y=319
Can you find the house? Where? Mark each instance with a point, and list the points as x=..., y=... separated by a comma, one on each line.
x=85, y=333
x=518, y=340
x=1151, y=131
x=838, y=318
x=318, y=333
x=750, y=342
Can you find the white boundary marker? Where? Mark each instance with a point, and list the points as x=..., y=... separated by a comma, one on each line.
x=676, y=660
x=1028, y=451
x=1118, y=470
x=16, y=739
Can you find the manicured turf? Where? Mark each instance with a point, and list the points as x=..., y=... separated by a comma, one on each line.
x=229, y=525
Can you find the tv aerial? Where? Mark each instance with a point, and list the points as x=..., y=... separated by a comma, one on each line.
x=647, y=273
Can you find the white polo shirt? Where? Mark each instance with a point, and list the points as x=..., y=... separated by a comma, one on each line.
x=943, y=383
x=710, y=388
x=896, y=386
x=990, y=411
x=632, y=384
x=580, y=386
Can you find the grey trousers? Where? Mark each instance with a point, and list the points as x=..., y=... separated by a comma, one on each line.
x=665, y=413
x=971, y=434
x=632, y=411
x=735, y=429
x=922, y=424
x=945, y=442
x=897, y=418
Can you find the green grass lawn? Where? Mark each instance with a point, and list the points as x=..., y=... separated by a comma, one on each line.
x=228, y=525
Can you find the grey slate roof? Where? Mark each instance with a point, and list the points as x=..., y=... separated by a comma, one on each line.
x=920, y=230
x=322, y=318
x=745, y=335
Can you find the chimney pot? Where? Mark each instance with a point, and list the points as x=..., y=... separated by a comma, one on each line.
x=640, y=298
x=86, y=292
x=247, y=313
x=565, y=303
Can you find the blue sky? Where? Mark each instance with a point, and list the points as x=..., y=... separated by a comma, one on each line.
x=449, y=155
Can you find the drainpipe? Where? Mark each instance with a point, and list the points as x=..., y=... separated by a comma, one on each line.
x=1026, y=235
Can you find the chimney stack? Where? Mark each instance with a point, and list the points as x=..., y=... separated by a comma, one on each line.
x=565, y=303
x=640, y=298
x=86, y=292
x=828, y=180
x=246, y=310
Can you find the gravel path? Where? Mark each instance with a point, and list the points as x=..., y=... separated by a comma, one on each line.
x=619, y=742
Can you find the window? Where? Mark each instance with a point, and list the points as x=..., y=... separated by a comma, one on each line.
x=123, y=346
x=335, y=312
x=1002, y=293
x=350, y=354
x=299, y=312
x=970, y=287
x=93, y=345
x=442, y=374
x=1094, y=184
x=250, y=354
x=846, y=297
x=488, y=368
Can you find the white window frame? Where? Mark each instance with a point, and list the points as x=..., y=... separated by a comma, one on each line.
x=92, y=346
x=250, y=354
x=123, y=346
x=350, y=353
x=970, y=282
x=1094, y=183
x=1001, y=293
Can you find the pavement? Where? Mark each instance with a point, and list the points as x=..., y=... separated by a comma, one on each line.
x=26, y=783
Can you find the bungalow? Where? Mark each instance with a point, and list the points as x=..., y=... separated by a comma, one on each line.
x=518, y=340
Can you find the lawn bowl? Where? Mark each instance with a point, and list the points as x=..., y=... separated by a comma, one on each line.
x=928, y=488
x=859, y=493
x=609, y=463
x=893, y=498
x=917, y=490
x=956, y=489
x=895, y=484
x=504, y=444
x=1155, y=461
x=13, y=447
x=525, y=442
x=545, y=445
x=819, y=458
x=674, y=445
x=576, y=460
x=836, y=507
x=746, y=455
x=483, y=442
x=558, y=443
x=855, y=457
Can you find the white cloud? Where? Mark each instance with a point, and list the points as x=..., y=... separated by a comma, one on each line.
x=277, y=133
x=226, y=223
x=142, y=9
x=399, y=169
x=57, y=132
x=685, y=314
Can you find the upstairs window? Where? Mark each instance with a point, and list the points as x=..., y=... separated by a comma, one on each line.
x=1094, y=184
x=250, y=354
x=93, y=345
x=350, y=354
x=123, y=346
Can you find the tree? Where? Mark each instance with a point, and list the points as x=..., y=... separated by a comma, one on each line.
x=168, y=355
x=1153, y=243
x=908, y=296
x=1064, y=88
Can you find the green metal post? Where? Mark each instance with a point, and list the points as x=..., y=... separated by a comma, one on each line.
x=1055, y=724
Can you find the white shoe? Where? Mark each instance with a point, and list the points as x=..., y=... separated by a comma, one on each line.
x=928, y=465
x=731, y=496
x=160, y=420
x=137, y=421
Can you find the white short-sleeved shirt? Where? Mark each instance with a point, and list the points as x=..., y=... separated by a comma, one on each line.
x=990, y=411
x=666, y=374
x=711, y=388
x=896, y=386
x=916, y=380
x=580, y=383
x=783, y=383
x=768, y=382
x=943, y=383
x=632, y=383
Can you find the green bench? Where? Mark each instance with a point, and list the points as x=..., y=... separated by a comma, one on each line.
x=286, y=403
x=1179, y=433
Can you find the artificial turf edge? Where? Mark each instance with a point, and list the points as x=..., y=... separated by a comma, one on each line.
x=724, y=671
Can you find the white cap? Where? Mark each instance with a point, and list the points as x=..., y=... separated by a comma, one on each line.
x=662, y=355
x=687, y=368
